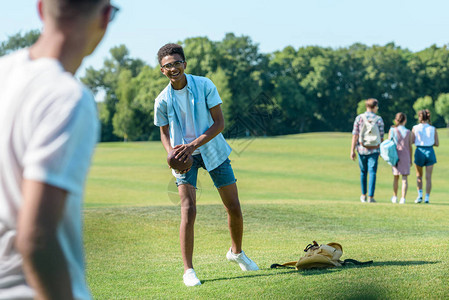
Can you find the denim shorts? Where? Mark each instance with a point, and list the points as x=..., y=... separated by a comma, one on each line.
x=222, y=175
x=425, y=156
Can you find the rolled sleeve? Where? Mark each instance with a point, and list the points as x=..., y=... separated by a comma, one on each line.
x=212, y=97
x=160, y=113
x=355, y=128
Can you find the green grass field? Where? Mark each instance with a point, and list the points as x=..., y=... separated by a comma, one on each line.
x=293, y=190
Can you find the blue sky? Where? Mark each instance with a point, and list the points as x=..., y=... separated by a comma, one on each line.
x=145, y=25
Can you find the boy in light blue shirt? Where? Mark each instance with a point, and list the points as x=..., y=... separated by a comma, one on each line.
x=188, y=112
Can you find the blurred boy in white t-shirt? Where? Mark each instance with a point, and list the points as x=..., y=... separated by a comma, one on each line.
x=48, y=131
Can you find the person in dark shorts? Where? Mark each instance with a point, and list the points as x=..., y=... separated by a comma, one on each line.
x=425, y=138
x=188, y=112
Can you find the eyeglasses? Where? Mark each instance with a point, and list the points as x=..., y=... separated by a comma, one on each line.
x=114, y=10
x=175, y=64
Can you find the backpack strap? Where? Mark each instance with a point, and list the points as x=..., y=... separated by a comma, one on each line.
x=355, y=262
x=365, y=119
x=394, y=134
x=286, y=265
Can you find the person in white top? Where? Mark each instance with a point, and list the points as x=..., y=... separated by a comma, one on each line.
x=48, y=131
x=425, y=138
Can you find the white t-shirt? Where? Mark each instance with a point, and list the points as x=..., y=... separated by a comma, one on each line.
x=185, y=108
x=424, y=134
x=48, y=131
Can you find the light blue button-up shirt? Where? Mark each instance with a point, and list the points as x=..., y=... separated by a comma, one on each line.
x=203, y=95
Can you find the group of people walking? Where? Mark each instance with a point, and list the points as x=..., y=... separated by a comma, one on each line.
x=423, y=135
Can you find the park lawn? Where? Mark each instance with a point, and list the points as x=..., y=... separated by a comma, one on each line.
x=293, y=189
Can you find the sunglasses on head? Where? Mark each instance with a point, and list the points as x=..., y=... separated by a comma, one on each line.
x=113, y=13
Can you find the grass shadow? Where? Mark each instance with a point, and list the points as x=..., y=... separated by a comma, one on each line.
x=437, y=204
x=251, y=275
x=374, y=264
x=403, y=263
x=282, y=271
x=326, y=271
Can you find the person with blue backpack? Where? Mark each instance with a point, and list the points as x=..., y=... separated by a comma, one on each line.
x=403, y=139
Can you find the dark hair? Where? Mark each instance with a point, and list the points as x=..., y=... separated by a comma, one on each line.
x=371, y=103
x=67, y=9
x=424, y=116
x=399, y=118
x=170, y=49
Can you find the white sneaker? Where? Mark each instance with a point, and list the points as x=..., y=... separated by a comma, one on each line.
x=402, y=201
x=394, y=199
x=244, y=262
x=418, y=200
x=362, y=198
x=190, y=278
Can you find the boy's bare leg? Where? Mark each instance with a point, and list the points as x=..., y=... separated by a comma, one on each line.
x=230, y=198
x=187, y=193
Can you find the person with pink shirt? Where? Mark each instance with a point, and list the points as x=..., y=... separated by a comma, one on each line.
x=403, y=138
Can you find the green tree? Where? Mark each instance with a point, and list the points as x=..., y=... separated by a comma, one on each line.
x=288, y=91
x=331, y=80
x=123, y=121
x=425, y=103
x=430, y=74
x=432, y=64
x=148, y=84
x=297, y=113
x=201, y=55
x=221, y=81
x=361, y=107
x=239, y=58
x=319, y=86
x=105, y=82
x=19, y=41
x=134, y=115
x=286, y=69
x=388, y=79
x=442, y=107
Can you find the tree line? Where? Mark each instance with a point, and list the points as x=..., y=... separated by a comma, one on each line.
x=288, y=91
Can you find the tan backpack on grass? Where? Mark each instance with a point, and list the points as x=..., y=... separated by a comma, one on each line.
x=321, y=257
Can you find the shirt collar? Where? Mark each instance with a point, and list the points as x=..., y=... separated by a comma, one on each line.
x=189, y=88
